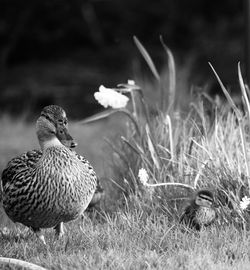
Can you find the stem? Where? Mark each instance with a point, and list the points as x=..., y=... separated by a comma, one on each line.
x=170, y=131
x=145, y=108
x=169, y=184
x=244, y=148
x=133, y=96
x=132, y=118
x=200, y=171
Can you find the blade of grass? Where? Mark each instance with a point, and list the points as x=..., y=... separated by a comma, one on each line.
x=117, y=151
x=202, y=147
x=107, y=113
x=138, y=151
x=248, y=91
x=243, y=90
x=172, y=77
x=244, y=148
x=98, y=116
x=230, y=100
x=131, y=146
x=152, y=149
x=114, y=182
x=199, y=172
x=242, y=132
x=147, y=58
x=221, y=146
x=170, y=131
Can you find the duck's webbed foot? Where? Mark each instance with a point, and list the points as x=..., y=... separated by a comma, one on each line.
x=39, y=234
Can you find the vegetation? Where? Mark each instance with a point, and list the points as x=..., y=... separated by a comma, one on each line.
x=132, y=240
x=137, y=227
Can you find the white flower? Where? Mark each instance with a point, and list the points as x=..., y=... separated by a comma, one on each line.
x=131, y=82
x=109, y=97
x=143, y=176
x=244, y=203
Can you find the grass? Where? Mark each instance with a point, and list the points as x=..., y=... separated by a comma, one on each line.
x=137, y=227
x=131, y=240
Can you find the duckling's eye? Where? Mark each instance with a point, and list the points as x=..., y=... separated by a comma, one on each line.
x=60, y=131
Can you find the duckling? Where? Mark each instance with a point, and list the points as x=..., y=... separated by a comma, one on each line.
x=201, y=211
x=97, y=197
x=55, y=188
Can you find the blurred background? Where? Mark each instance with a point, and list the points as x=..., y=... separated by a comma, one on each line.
x=58, y=51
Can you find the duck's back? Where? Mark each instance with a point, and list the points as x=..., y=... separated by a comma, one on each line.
x=43, y=190
x=20, y=163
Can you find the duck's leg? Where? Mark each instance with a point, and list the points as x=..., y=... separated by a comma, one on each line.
x=59, y=230
x=39, y=234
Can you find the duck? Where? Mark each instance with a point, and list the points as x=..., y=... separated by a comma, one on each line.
x=201, y=211
x=48, y=187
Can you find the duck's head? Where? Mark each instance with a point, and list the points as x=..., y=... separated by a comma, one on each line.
x=52, y=127
x=204, y=198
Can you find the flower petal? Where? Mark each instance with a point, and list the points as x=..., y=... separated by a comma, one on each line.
x=109, y=97
x=143, y=176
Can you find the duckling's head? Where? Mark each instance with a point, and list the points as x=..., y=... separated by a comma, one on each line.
x=52, y=127
x=204, y=198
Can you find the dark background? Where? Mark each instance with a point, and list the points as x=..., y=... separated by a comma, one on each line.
x=60, y=51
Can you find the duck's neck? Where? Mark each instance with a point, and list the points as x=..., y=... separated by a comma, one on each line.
x=53, y=142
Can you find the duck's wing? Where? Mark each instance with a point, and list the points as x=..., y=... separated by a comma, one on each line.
x=187, y=213
x=25, y=161
x=99, y=191
x=188, y=217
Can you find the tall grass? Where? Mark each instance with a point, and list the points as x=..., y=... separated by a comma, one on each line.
x=206, y=147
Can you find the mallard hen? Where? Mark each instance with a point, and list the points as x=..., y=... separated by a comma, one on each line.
x=44, y=189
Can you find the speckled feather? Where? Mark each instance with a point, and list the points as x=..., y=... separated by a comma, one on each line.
x=41, y=190
x=196, y=216
x=29, y=160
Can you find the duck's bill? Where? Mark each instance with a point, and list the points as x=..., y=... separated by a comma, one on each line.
x=65, y=138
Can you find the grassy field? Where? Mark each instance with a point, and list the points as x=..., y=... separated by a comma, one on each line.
x=143, y=233
x=137, y=227
x=130, y=241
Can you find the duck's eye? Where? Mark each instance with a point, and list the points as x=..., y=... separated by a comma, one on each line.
x=60, y=121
